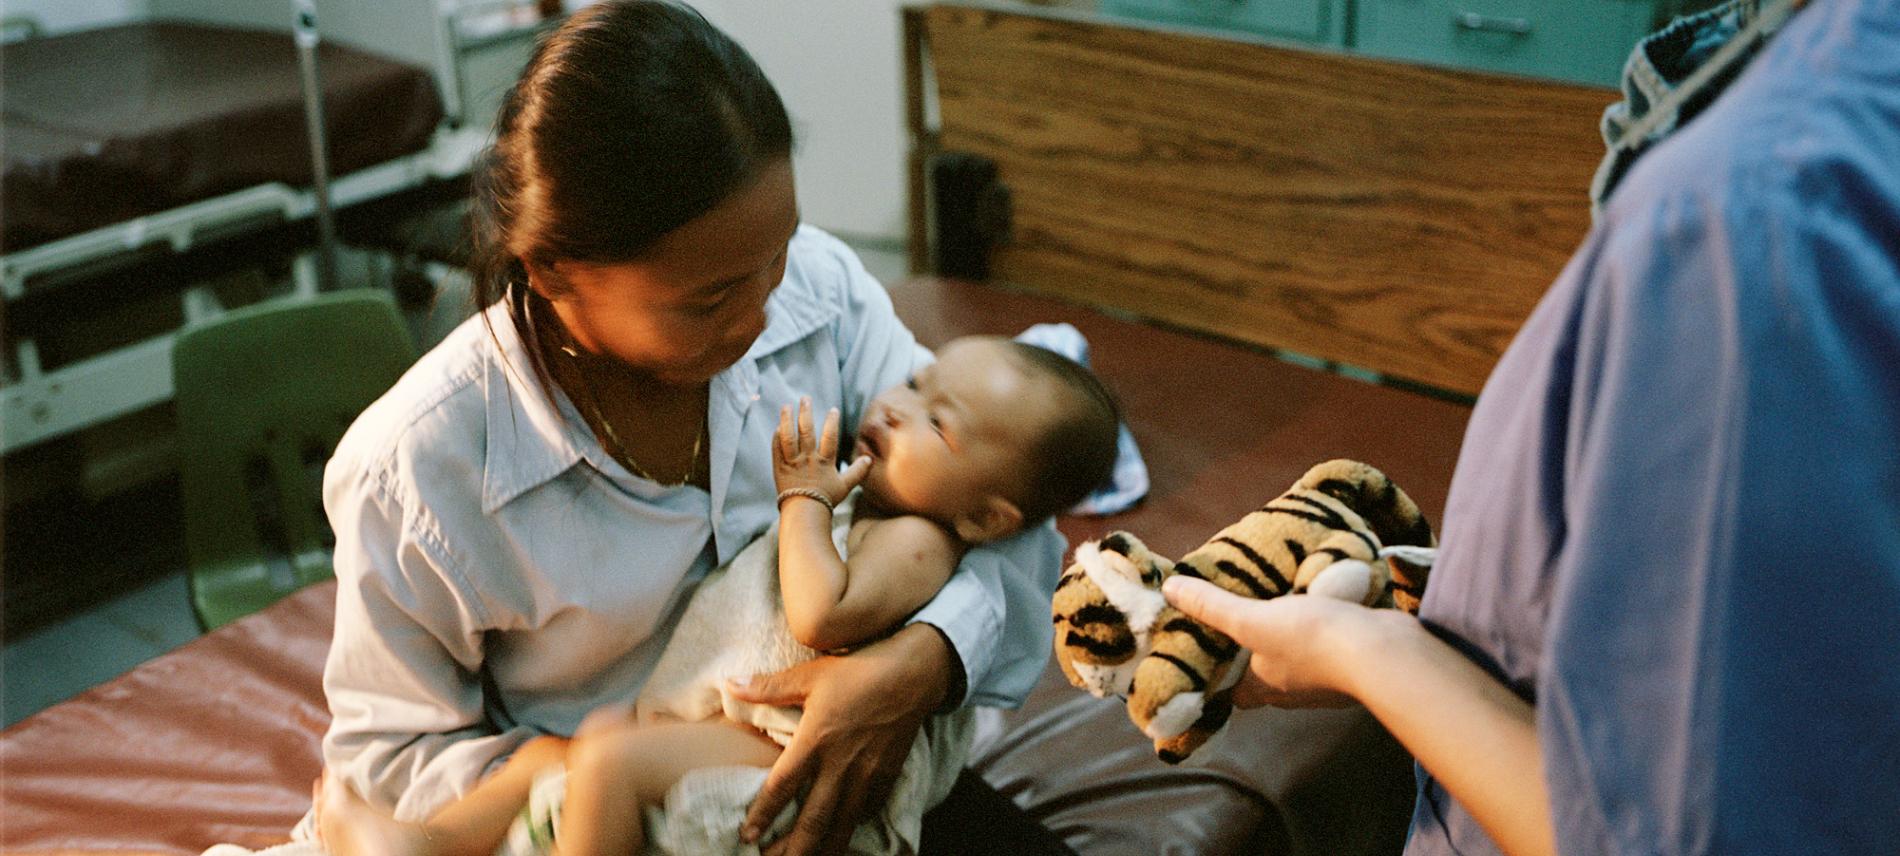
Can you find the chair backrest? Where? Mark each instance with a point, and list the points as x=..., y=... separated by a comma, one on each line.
x=263, y=395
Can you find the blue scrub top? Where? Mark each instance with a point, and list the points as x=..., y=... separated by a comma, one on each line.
x=1675, y=522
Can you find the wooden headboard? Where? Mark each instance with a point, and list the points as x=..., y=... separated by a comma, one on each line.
x=1395, y=217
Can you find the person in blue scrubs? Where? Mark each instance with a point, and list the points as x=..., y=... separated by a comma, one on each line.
x=1664, y=618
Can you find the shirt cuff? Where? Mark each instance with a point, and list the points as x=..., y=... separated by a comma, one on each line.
x=971, y=622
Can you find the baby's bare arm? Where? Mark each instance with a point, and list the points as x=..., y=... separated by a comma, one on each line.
x=812, y=577
x=896, y=567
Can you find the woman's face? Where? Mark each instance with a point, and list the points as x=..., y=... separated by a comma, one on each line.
x=693, y=304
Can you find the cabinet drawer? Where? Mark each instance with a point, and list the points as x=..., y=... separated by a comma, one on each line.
x=1307, y=20
x=1585, y=41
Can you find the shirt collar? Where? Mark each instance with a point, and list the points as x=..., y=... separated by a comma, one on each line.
x=531, y=439
x=796, y=309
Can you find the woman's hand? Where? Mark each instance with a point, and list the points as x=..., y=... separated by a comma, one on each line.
x=1474, y=734
x=862, y=711
x=1302, y=645
x=1471, y=732
x=802, y=458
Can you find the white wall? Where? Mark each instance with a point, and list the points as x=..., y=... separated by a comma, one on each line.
x=836, y=64
x=58, y=16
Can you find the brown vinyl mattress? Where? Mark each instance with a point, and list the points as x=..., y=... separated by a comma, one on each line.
x=217, y=741
x=105, y=125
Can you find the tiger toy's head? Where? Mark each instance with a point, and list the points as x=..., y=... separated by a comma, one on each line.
x=1104, y=608
x=1343, y=530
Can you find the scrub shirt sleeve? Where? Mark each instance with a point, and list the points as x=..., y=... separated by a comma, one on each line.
x=408, y=727
x=994, y=609
x=1719, y=649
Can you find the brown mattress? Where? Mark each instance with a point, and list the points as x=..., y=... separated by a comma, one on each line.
x=217, y=741
x=105, y=125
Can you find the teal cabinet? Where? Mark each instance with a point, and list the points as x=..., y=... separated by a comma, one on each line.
x=1317, y=21
x=1584, y=41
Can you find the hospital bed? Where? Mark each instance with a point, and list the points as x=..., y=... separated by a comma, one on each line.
x=177, y=147
x=218, y=740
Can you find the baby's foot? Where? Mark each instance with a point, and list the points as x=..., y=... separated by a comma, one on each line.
x=349, y=826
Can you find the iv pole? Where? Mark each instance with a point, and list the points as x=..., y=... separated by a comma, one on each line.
x=304, y=27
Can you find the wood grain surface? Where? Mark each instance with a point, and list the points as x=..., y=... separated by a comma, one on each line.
x=1400, y=218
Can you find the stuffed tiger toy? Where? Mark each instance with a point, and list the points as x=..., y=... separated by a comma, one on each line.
x=1343, y=530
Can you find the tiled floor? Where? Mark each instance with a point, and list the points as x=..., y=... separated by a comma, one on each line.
x=65, y=657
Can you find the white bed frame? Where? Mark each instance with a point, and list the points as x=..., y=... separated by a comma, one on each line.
x=37, y=405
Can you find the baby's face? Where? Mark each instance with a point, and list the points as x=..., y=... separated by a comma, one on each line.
x=957, y=432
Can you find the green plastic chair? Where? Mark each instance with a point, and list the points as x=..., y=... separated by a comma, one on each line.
x=263, y=395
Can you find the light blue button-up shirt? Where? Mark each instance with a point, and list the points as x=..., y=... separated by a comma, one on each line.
x=501, y=575
x=1675, y=522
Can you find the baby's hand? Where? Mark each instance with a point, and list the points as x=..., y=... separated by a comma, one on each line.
x=802, y=458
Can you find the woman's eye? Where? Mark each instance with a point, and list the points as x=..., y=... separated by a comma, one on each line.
x=911, y=382
x=936, y=424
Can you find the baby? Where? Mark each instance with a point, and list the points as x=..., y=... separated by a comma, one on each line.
x=993, y=437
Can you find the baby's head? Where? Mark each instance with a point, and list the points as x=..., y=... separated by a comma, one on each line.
x=994, y=436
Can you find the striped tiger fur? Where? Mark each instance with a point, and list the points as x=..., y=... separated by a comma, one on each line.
x=1328, y=534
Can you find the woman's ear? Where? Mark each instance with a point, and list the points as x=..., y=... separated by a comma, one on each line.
x=537, y=279
x=994, y=518
x=546, y=281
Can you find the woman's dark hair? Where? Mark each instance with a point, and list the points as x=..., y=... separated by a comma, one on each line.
x=633, y=118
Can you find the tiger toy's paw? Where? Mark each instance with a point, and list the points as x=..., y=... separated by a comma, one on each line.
x=1350, y=580
x=1104, y=610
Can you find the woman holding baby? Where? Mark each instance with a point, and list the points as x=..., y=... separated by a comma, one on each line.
x=522, y=518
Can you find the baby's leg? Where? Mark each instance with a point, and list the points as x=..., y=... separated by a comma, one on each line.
x=610, y=762
x=476, y=824
x=349, y=826
x=479, y=821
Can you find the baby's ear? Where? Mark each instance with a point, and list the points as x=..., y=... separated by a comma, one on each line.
x=995, y=518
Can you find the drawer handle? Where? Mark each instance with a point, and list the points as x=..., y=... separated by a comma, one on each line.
x=1491, y=24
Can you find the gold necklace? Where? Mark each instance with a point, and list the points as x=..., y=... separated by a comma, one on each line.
x=618, y=448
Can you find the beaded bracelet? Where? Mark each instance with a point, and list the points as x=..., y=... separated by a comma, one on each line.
x=810, y=492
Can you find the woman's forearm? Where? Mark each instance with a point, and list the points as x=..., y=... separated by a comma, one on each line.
x=1470, y=732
